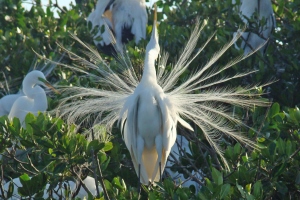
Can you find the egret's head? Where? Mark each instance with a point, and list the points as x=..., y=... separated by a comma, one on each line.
x=152, y=48
x=47, y=84
x=37, y=77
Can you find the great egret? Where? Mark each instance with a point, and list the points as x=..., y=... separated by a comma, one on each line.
x=7, y=101
x=34, y=98
x=58, y=191
x=123, y=19
x=148, y=110
x=247, y=9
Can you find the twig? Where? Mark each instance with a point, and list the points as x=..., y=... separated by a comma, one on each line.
x=32, y=164
x=185, y=170
x=57, y=6
x=1, y=185
x=95, y=158
x=81, y=184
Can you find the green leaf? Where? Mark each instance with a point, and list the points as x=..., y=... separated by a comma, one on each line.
x=10, y=189
x=248, y=188
x=272, y=148
x=59, y=168
x=45, y=143
x=241, y=189
x=95, y=146
x=17, y=124
x=224, y=191
x=257, y=190
x=102, y=157
x=27, y=143
x=108, y=146
x=209, y=185
x=116, y=182
x=274, y=110
x=217, y=176
x=278, y=170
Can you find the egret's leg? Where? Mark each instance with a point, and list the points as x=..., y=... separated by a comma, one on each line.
x=159, y=149
x=160, y=171
x=139, y=153
x=139, y=184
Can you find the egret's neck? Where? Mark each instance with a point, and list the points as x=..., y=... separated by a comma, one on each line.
x=149, y=73
x=37, y=94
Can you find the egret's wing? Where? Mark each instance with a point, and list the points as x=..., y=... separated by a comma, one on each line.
x=140, y=19
x=101, y=19
x=20, y=108
x=168, y=131
x=131, y=138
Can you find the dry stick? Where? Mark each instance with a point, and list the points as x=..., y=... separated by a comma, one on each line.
x=32, y=164
x=81, y=184
x=185, y=170
x=57, y=6
x=190, y=162
x=1, y=186
x=94, y=155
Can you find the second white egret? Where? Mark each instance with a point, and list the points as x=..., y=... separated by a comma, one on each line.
x=34, y=98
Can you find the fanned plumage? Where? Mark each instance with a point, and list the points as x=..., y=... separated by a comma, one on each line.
x=148, y=111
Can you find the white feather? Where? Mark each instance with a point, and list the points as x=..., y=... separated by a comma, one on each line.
x=148, y=111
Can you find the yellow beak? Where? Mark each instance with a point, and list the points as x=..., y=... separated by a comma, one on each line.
x=48, y=85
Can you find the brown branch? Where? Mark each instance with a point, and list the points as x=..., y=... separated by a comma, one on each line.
x=97, y=164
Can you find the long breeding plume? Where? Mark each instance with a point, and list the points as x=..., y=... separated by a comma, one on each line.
x=199, y=99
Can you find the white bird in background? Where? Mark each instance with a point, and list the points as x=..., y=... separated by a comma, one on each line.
x=57, y=191
x=124, y=19
x=148, y=111
x=264, y=10
x=34, y=98
x=7, y=101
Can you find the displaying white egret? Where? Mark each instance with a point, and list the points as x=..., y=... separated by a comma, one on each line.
x=34, y=98
x=58, y=191
x=148, y=111
x=124, y=19
x=261, y=32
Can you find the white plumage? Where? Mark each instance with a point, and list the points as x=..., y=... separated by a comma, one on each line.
x=124, y=19
x=150, y=124
x=148, y=110
x=34, y=98
x=264, y=10
x=7, y=102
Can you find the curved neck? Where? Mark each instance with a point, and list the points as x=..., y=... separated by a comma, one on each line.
x=38, y=95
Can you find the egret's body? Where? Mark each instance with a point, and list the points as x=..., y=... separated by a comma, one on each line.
x=125, y=19
x=148, y=109
x=264, y=10
x=7, y=102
